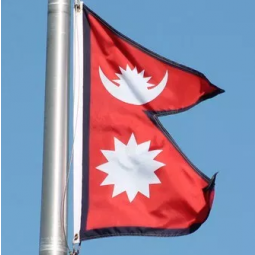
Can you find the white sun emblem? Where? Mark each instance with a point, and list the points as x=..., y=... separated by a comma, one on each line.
x=131, y=168
x=133, y=87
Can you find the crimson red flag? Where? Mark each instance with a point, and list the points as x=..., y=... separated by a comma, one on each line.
x=130, y=177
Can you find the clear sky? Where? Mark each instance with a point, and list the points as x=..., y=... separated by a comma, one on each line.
x=215, y=37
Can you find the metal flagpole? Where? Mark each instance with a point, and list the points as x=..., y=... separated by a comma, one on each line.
x=55, y=153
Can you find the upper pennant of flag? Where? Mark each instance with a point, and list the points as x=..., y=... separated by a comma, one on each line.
x=131, y=168
x=133, y=86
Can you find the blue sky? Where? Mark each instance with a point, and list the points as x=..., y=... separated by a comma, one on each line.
x=214, y=37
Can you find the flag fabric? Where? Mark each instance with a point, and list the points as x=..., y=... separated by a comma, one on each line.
x=130, y=177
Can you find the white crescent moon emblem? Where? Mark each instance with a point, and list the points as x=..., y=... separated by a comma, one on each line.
x=133, y=87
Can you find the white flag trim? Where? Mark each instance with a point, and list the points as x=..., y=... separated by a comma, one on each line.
x=77, y=121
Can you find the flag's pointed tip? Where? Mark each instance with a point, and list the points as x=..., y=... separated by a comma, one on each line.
x=221, y=90
x=217, y=89
x=211, y=183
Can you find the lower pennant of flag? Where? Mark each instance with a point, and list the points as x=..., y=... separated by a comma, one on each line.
x=130, y=177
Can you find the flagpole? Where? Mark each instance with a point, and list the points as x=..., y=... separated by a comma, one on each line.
x=55, y=152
